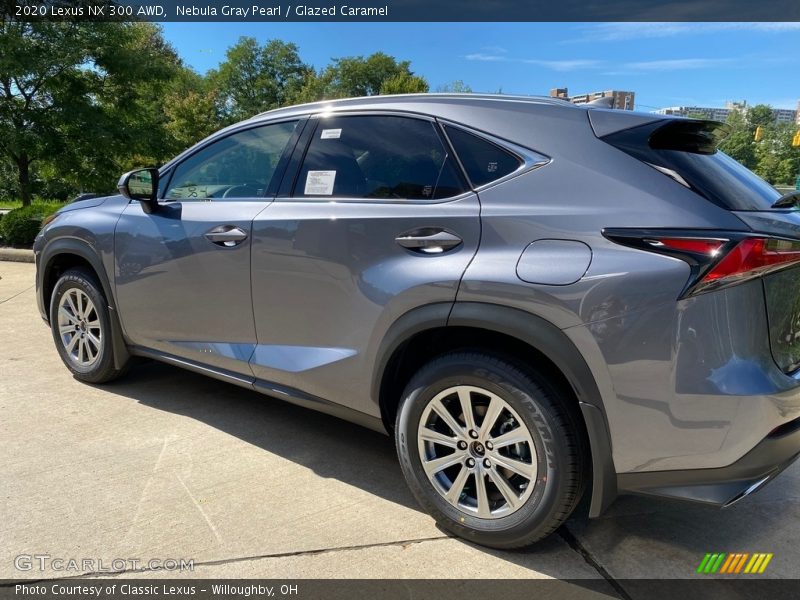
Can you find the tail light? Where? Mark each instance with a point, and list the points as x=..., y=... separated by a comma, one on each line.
x=716, y=259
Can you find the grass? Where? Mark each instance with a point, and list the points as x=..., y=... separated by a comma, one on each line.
x=12, y=204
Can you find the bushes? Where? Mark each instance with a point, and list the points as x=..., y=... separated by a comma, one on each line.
x=20, y=226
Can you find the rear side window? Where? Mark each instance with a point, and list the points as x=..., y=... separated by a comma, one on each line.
x=483, y=161
x=380, y=157
x=686, y=151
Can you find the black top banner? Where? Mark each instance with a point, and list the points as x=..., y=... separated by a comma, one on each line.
x=402, y=10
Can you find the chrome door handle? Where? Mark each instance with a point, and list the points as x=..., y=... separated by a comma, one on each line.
x=429, y=241
x=226, y=235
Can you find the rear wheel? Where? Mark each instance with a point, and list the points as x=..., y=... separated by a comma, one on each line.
x=81, y=327
x=490, y=449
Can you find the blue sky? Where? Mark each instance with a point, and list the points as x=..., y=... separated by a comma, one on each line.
x=666, y=64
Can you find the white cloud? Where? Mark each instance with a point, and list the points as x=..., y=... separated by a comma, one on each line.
x=564, y=65
x=554, y=65
x=480, y=56
x=615, y=32
x=677, y=64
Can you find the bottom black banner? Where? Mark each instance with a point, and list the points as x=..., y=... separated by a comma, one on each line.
x=117, y=588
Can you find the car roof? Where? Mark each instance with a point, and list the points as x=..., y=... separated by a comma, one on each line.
x=417, y=101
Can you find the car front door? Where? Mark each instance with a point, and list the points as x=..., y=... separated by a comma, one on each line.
x=182, y=273
x=377, y=220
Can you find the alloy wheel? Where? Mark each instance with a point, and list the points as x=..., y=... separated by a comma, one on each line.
x=79, y=328
x=477, y=452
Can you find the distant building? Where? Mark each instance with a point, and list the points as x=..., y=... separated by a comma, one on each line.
x=797, y=114
x=781, y=115
x=622, y=100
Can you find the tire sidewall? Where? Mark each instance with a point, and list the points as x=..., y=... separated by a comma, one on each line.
x=77, y=279
x=545, y=500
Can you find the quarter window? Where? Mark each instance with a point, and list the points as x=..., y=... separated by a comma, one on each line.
x=383, y=157
x=483, y=160
x=240, y=165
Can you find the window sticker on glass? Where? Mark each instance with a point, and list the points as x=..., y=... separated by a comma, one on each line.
x=320, y=183
x=331, y=134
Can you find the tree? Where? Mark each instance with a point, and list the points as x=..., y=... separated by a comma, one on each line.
x=256, y=78
x=76, y=95
x=760, y=115
x=455, y=87
x=739, y=142
x=354, y=76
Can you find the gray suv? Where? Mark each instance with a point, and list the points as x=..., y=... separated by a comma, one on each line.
x=538, y=300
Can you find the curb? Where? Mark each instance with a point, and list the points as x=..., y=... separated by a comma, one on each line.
x=16, y=255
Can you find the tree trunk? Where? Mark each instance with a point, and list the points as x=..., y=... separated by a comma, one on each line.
x=24, y=178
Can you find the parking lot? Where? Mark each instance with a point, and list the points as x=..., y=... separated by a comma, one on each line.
x=166, y=464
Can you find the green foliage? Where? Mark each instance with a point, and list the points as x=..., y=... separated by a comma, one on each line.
x=20, y=226
x=80, y=103
x=356, y=76
x=81, y=97
x=773, y=158
x=254, y=78
x=455, y=87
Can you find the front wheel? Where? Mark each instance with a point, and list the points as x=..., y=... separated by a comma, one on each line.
x=490, y=449
x=81, y=327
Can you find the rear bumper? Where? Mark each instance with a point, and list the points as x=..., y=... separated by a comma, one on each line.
x=721, y=486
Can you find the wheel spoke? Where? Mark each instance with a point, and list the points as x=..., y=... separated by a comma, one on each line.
x=72, y=306
x=508, y=493
x=454, y=493
x=429, y=435
x=492, y=412
x=482, y=497
x=515, y=436
x=441, y=410
x=64, y=329
x=527, y=470
x=71, y=344
x=81, y=346
x=87, y=346
x=93, y=340
x=432, y=467
x=64, y=313
x=466, y=407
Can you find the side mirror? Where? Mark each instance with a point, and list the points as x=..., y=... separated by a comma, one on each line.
x=141, y=185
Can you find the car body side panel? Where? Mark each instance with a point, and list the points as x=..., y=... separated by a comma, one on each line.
x=178, y=292
x=329, y=280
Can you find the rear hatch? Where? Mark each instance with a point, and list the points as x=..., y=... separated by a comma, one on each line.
x=686, y=151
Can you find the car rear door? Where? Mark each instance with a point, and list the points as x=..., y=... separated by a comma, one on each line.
x=375, y=221
x=182, y=273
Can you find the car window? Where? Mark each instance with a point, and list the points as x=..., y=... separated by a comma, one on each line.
x=483, y=160
x=382, y=157
x=240, y=165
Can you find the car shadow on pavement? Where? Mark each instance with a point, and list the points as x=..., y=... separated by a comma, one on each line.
x=330, y=447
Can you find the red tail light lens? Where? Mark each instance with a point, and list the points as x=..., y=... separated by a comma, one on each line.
x=715, y=258
x=753, y=256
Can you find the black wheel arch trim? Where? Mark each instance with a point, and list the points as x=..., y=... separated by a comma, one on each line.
x=84, y=250
x=545, y=338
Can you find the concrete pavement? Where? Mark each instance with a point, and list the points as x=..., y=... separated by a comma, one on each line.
x=169, y=464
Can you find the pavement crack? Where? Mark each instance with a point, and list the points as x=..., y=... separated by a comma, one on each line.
x=238, y=559
x=574, y=543
x=27, y=289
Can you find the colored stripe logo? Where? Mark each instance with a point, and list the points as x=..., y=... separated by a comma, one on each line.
x=734, y=563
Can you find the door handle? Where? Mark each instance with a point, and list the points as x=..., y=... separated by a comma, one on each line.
x=226, y=235
x=429, y=241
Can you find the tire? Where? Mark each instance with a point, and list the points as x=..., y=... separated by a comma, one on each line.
x=549, y=449
x=81, y=327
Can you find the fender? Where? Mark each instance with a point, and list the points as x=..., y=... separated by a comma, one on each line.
x=542, y=336
x=555, y=345
x=84, y=250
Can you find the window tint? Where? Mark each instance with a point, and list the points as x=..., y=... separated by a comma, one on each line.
x=377, y=157
x=483, y=161
x=240, y=165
